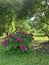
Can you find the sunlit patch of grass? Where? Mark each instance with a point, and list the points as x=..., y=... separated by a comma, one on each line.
x=42, y=39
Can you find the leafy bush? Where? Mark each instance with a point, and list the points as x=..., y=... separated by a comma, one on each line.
x=17, y=42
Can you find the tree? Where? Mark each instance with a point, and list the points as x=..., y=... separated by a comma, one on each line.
x=8, y=14
x=43, y=19
x=16, y=10
x=39, y=9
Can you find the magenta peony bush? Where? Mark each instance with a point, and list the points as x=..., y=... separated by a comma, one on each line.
x=17, y=42
x=23, y=47
x=10, y=35
x=19, y=39
x=4, y=42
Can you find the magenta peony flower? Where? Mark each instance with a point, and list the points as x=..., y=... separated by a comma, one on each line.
x=4, y=42
x=23, y=32
x=19, y=39
x=10, y=35
x=23, y=47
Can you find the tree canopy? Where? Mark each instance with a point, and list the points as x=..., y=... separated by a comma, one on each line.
x=12, y=11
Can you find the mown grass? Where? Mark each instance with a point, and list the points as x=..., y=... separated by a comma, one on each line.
x=33, y=57
x=44, y=38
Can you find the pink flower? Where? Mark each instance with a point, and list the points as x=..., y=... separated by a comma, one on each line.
x=10, y=35
x=31, y=34
x=23, y=47
x=4, y=42
x=23, y=32
x=19, y=39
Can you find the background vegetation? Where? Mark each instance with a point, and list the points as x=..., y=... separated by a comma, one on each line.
x=29, y=16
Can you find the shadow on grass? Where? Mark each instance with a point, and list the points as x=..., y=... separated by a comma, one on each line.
x=42, y=48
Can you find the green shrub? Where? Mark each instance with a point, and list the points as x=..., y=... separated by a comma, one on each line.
x=17, y=42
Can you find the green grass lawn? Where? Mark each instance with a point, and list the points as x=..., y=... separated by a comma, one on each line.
x=42, y=39
x=33, y=57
